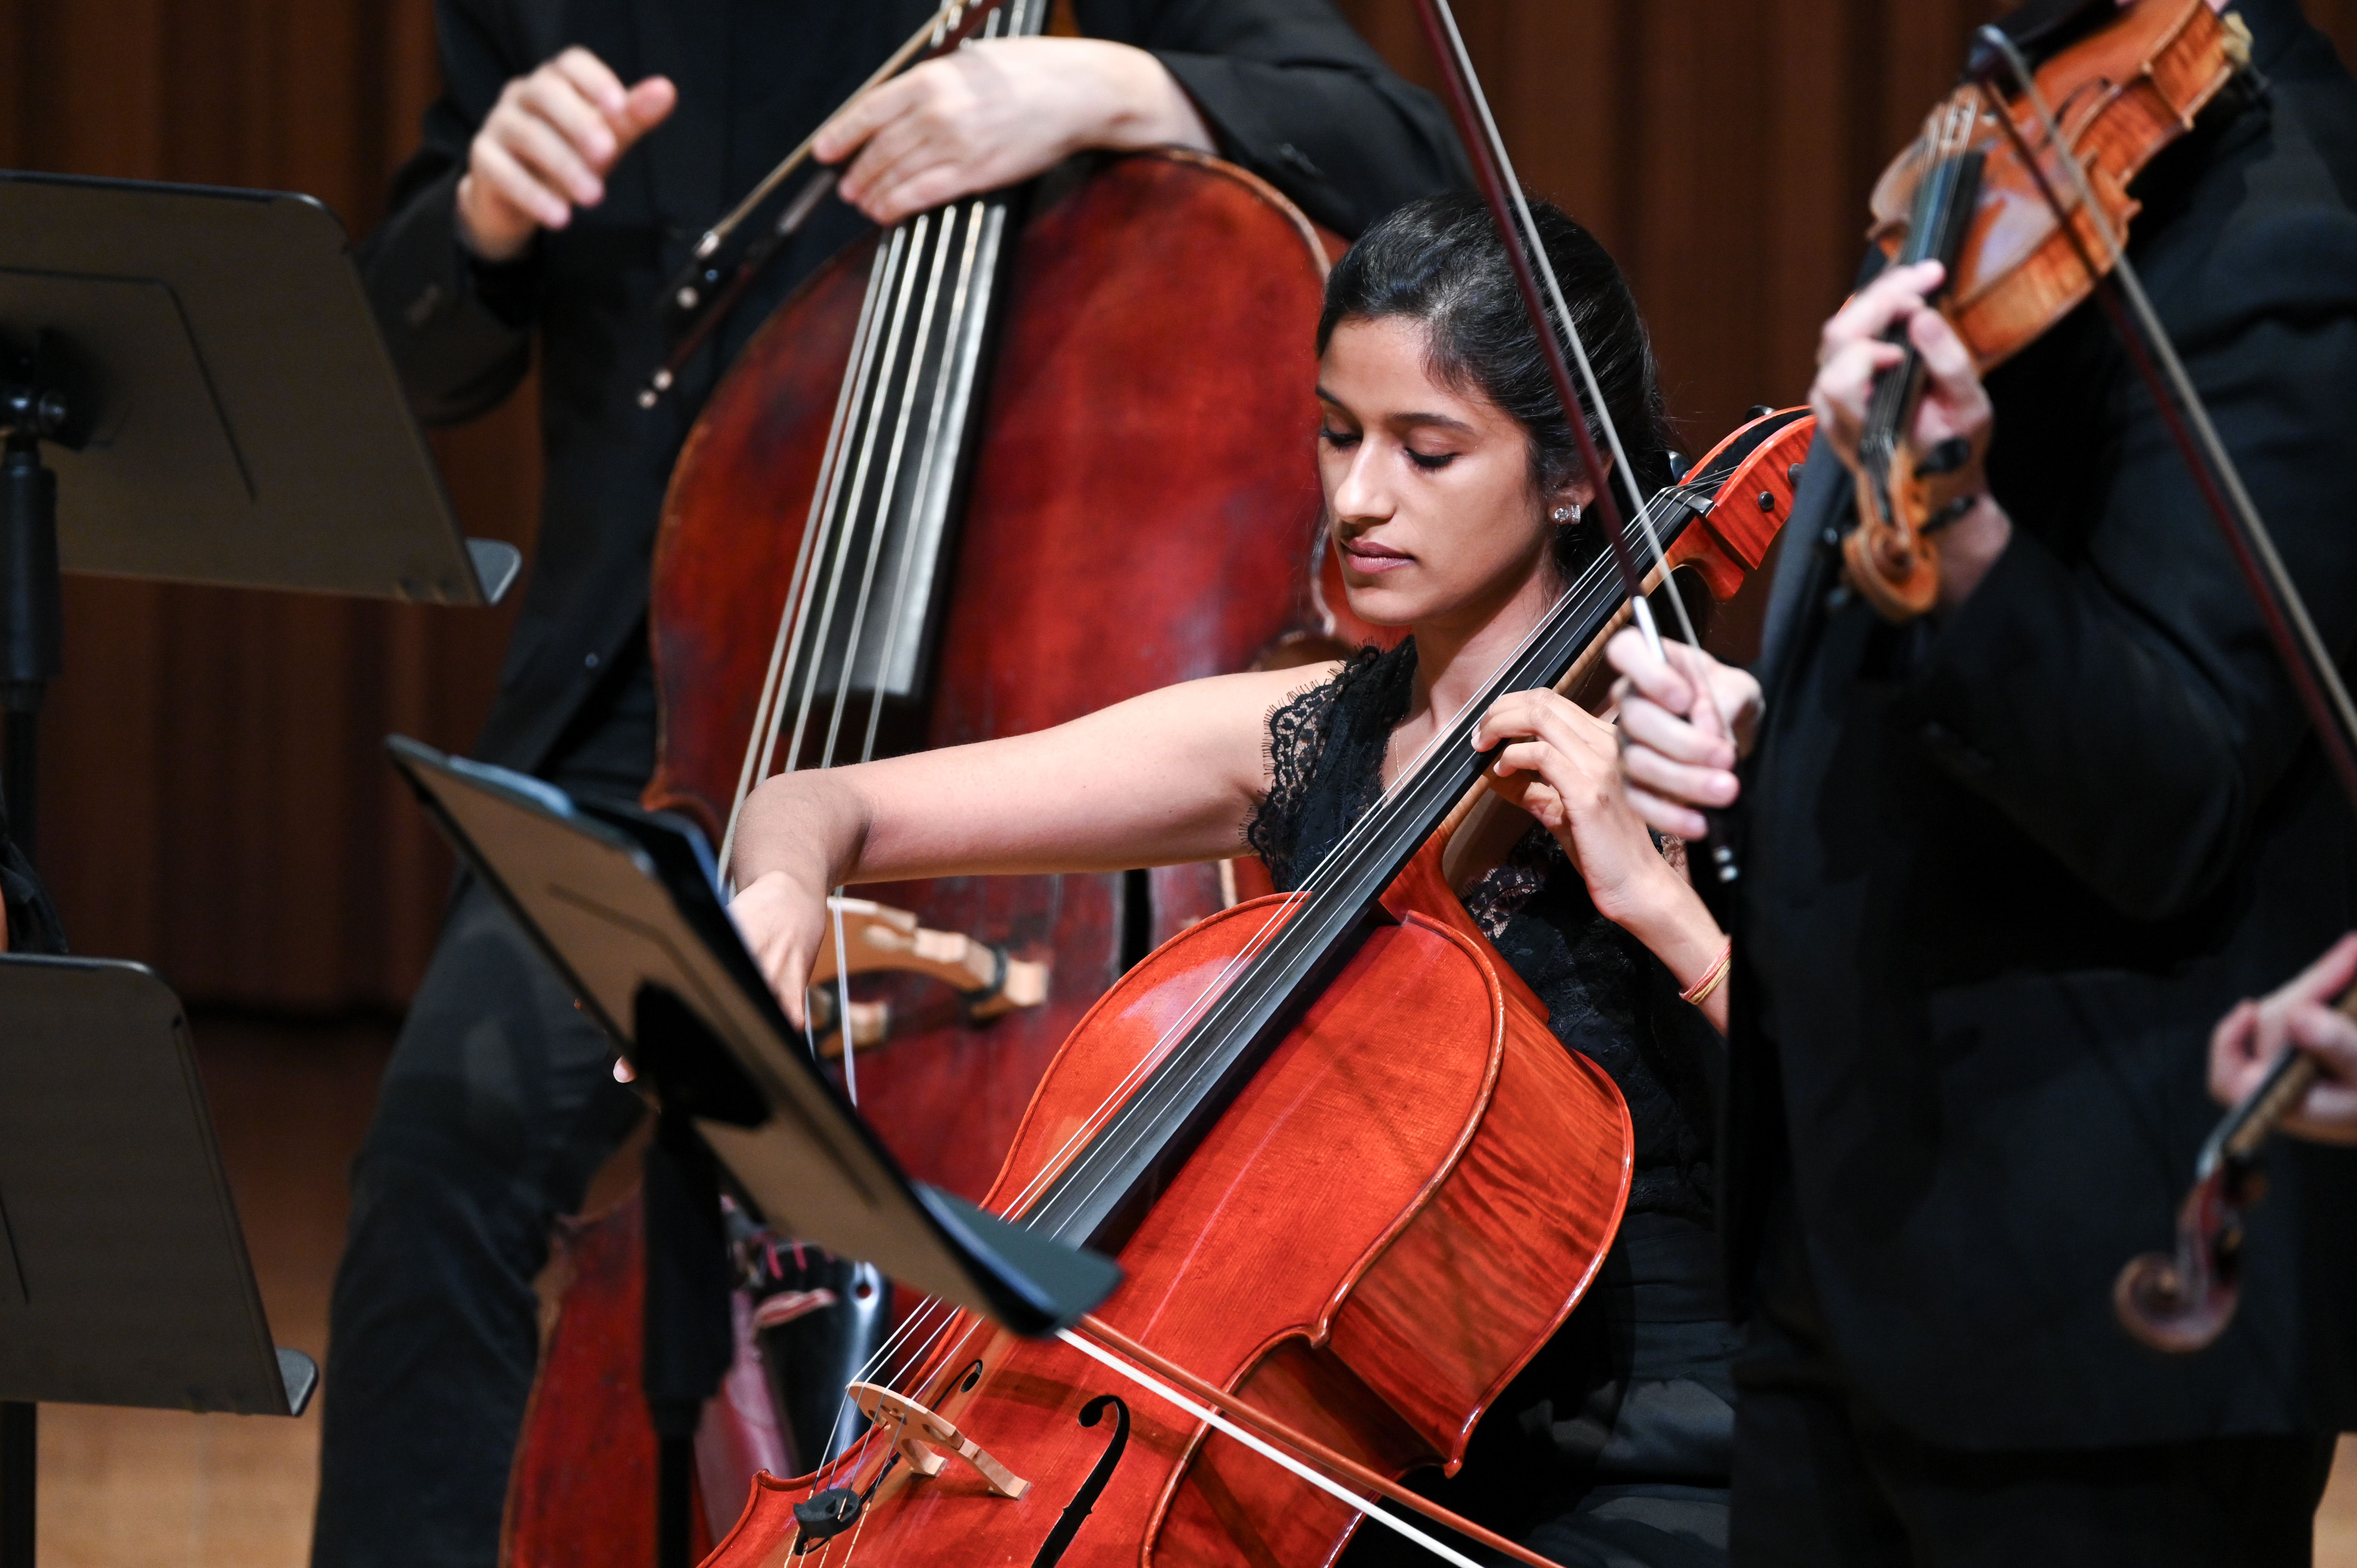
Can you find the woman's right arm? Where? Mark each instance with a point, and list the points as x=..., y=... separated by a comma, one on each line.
x=1167, y=777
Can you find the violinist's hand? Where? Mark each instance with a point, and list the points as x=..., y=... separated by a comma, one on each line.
x=546, y=149
x=1678, y=754
x=1559, y=765
x=1956, y=406
x=2249, y=1039
x=999, y=112
x=784, y=924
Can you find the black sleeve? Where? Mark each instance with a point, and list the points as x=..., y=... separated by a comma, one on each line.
x=1291, y=93
x=460, y=331
x=2125, y=706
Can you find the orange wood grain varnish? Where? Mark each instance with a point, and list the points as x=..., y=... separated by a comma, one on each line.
x=1390, y=1219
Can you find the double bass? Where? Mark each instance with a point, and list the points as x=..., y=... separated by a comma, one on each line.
x=911, y=515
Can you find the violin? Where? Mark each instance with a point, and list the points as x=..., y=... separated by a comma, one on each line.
x=1972, y=193
x=2182, y=1299
x=2019, y=184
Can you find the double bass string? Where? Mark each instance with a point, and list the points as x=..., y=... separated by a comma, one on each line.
x=842, y=501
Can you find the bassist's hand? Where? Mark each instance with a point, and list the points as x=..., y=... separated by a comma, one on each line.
x=997, y=111
x=546, y=148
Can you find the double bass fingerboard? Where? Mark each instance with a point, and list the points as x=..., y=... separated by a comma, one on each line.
x=867, y=587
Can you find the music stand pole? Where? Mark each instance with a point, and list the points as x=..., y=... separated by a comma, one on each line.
x=29, y=620
x=30, y=600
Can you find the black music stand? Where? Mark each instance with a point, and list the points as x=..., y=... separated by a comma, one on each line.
x=217, y=406
x=124, y=1277
x=626, y=904
x=192, y=389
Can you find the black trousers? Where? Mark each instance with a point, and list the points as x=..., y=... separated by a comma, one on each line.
x=497, y=1108
x=1822, y=1480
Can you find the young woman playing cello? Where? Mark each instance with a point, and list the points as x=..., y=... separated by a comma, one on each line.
x=1456, y=500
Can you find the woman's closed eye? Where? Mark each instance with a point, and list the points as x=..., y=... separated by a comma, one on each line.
x=1339, y=439
x=1429, y=460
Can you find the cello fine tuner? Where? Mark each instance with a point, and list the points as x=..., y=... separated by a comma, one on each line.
x=917, y=1430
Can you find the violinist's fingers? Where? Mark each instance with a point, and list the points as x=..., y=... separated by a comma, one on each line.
x=1647, y=725
x=1641, y=671
x=1844, y=386
x=1643, y=767
x=1666, y=816
x=1896, y=294
x=2326, y=979
x=2328, y=1112
x=2235, y=1066
x=1958, y=399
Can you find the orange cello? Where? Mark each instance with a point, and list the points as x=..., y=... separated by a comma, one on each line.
x=1352, y=1179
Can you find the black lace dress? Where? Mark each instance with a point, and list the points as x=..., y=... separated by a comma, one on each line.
x=1611, y=1448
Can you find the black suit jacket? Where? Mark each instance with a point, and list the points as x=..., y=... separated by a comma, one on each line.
x=1288, y=90
x=2002, y=876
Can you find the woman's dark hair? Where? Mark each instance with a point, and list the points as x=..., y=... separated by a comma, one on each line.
x=1439, y=259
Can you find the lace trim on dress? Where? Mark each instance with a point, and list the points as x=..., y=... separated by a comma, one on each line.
x=1297, y=731
x=1506, y=888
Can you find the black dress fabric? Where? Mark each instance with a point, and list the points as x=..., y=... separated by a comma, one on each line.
x=1611, y=1448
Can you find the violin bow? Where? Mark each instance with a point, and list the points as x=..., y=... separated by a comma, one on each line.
x=2184, y=1301
x=1493, y=170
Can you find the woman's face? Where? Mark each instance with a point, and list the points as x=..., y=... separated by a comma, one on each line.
x=1435, y=515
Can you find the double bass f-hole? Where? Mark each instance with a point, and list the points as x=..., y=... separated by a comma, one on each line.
x=1068, y=1524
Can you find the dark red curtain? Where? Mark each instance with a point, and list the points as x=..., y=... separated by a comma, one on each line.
x=214, y=798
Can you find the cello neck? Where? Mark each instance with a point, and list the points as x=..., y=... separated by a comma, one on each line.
x=1093, y=1199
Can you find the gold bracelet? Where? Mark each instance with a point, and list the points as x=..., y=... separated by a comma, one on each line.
x=1702, y=988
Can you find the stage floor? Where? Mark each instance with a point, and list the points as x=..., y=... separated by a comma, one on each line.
x=166, y=1489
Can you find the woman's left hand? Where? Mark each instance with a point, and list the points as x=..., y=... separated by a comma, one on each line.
x=1562, y=764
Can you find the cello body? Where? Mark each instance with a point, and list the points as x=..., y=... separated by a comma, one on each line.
x=1138, y=513
x=1389, y=1220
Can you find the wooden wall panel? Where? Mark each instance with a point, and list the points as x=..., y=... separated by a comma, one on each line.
x=214, y=797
